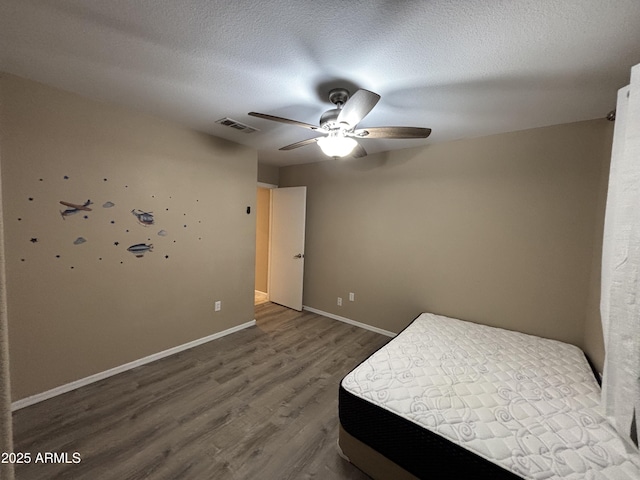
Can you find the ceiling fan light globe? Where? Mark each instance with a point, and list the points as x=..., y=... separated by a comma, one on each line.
x=337, y=146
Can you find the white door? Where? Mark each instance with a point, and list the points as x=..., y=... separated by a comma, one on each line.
x=288, y=215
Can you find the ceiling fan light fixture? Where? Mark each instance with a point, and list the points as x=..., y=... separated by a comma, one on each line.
x=337, y=146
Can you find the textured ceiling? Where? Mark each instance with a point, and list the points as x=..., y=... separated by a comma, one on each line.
x=464, y=68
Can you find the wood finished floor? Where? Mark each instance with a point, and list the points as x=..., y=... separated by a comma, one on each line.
x=260, y=297
x=258, y=404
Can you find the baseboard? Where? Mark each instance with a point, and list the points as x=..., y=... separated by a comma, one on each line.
x=349, y=321
x=54, y=392
x=260, y=291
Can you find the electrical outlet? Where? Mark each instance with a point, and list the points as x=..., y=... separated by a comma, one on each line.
x=218, y=306
x=352, y=296
x=339, y=301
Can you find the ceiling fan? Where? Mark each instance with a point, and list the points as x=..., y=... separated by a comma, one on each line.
x=338, y=125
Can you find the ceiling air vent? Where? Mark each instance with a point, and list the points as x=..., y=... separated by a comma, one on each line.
x=241, y=127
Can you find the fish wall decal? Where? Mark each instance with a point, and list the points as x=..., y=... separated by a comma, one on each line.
x=139, y=249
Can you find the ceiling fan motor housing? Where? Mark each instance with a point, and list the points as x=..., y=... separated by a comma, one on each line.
x=339, y=96
x=328, y=119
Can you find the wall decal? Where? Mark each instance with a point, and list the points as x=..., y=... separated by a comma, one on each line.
x=98, y=221
x=145, y=218
x=75, y=208
x=140, y=249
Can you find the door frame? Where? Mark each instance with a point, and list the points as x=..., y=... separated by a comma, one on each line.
x=268, y=186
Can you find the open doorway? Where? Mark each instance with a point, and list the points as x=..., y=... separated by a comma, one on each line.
x=280, y=234
x=263, y=225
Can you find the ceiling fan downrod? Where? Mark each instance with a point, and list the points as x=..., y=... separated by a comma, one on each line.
x=339, y=96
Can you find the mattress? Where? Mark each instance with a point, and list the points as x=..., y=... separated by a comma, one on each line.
x=454, y=399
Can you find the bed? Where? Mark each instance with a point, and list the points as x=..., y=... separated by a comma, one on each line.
x=453, y=399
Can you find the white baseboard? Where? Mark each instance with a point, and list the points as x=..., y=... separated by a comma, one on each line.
x=263, y=293
x=39, y=397
x=349, y=321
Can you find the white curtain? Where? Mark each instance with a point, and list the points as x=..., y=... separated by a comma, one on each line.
x=620, y=304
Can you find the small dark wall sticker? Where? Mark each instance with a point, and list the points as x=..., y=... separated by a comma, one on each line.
x=248, y=210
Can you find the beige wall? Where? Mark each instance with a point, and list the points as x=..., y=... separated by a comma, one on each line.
x=263, y=202
x=268, y=174
x=75, y=310
x=500, y=230
x=6, y=426
x=593, y=341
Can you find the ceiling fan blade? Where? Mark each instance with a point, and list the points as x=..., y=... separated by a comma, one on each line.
x=359, y=152
x=392, y=132
x=301, y=144
x=286, y=120
x=357, y=107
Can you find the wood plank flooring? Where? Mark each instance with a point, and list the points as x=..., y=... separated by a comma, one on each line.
x=260, y=297
x=258, y=404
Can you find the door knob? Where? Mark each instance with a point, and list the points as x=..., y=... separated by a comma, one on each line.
x=298, y=256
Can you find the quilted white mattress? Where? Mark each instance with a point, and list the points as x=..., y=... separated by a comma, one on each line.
x=525, y=403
